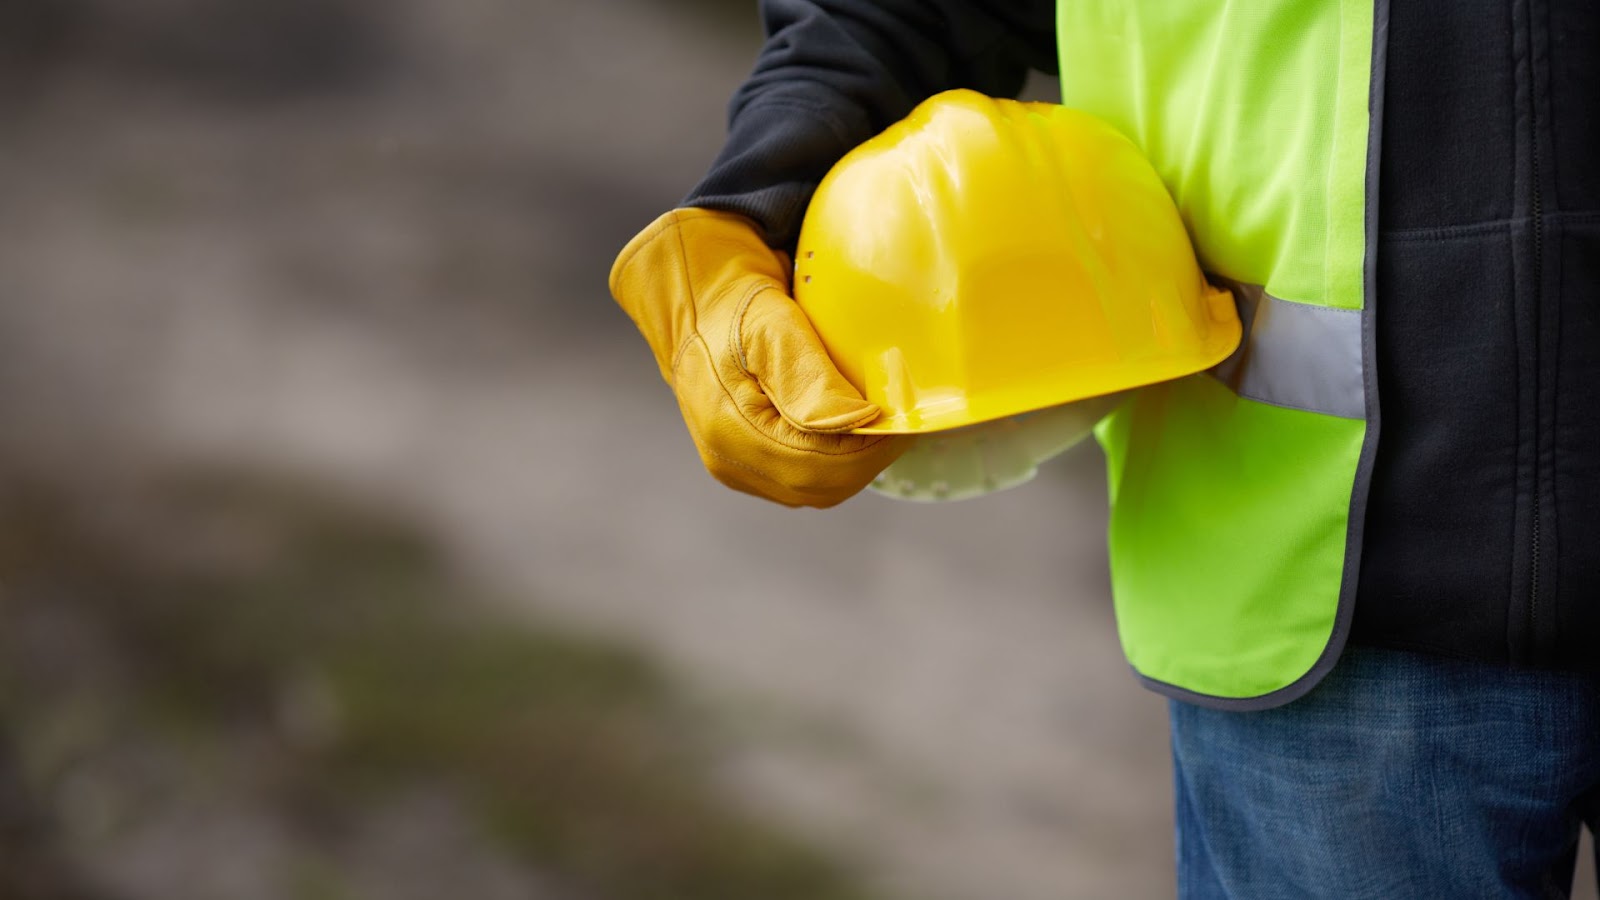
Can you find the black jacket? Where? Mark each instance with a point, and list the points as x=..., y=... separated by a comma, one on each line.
x=1482, y=536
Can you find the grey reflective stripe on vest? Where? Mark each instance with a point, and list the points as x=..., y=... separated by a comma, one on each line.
x=1296, y=355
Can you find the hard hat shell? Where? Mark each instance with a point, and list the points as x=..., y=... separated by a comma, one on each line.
x=983, y=258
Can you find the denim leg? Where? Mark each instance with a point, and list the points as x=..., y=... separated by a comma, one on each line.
x=1400, y=776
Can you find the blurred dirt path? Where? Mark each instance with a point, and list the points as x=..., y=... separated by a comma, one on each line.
x=403, y=291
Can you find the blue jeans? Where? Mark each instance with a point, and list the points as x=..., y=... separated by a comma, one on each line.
x=1400, y=776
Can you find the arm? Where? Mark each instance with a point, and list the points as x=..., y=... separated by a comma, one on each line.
x=708, y=285
x=836, y=72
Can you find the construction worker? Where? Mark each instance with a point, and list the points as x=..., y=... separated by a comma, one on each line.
x=1382, y=644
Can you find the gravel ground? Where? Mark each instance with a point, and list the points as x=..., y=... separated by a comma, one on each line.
x=399, y=285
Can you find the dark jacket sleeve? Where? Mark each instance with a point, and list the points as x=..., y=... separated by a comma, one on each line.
x=833, y=73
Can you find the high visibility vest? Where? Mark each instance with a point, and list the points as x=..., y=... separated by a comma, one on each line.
x=1237, y=495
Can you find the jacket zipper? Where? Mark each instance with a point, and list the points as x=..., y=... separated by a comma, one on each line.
x=1538, y=297
x=1537, y=206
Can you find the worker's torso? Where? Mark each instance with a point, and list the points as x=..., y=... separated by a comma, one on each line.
x=1407, y=200
x=1482, y=530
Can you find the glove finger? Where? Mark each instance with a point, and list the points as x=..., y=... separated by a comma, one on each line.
x=778, y=348
x=747, y=446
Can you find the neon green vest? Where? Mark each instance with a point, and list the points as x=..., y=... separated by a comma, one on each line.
x=1237, y=495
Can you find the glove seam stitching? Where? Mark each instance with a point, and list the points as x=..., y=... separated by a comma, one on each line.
x=694, y=297
x=736, y=334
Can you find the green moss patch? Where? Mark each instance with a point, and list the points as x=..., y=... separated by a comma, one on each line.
x=223, y=605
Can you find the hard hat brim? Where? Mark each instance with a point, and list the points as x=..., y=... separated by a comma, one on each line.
x=974, y=410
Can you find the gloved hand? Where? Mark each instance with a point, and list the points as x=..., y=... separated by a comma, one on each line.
x=766, y=407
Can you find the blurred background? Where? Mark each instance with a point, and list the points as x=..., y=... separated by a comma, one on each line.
x=351, y=547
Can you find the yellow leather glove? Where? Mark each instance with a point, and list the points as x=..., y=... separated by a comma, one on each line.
x=766, y=407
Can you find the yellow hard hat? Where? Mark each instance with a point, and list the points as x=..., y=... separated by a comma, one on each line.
x=983, y=258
